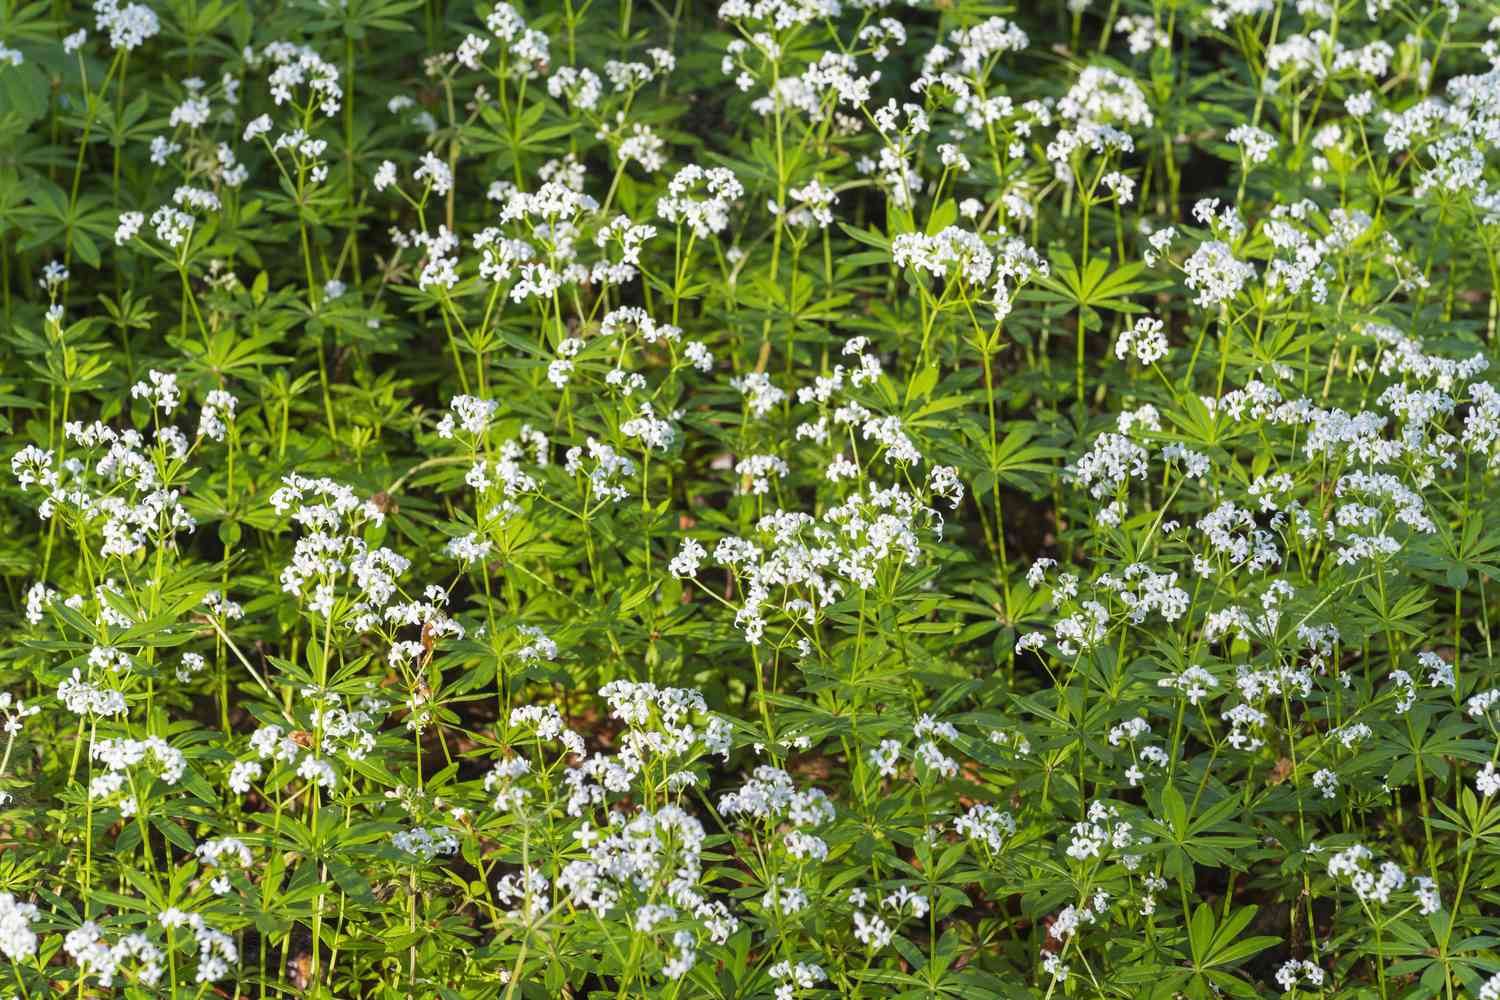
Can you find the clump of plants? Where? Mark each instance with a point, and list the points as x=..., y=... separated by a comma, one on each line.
x=766, y=499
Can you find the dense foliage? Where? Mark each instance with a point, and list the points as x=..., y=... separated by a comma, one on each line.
x=772, y=498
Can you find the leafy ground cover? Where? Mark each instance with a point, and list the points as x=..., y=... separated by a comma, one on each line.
x=772, y=498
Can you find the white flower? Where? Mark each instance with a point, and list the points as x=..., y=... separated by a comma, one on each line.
x=470, y=50
x=645, y=147
x=317, y=771
x=257, y=127
x=17, y=939
x=242, y=774
x=872, y=931
x=688, y=559
x=1487, y=782
x=1292, y=972
x=1215, y=274
x=819, y=201
x=704, y=214
x=425, y=844
x=1194, y=682
x=1145, y=340
x=435, y=172
x=885, y=756
x=127, y=27
x=159, y=389
x=1255, y=144
x=130, y=224
x=385, y=175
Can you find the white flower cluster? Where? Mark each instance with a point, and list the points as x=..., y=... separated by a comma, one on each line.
x=808, y=563
x=424, y=844
x=772, y=797
x=652, y=855
x=1146, y=340
x=986, y=825
x=118, y=785
x=1294, y=972
x=128, y=27
x=17, y=940
x=298, y=66
x=1353, y=866
x=136, y=957
x=1102, y=831
x=705, y=214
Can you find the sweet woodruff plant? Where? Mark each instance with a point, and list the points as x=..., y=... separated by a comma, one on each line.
x=771, y=499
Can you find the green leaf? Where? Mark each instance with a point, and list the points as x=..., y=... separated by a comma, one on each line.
x=351, y=881
x=24, y=91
